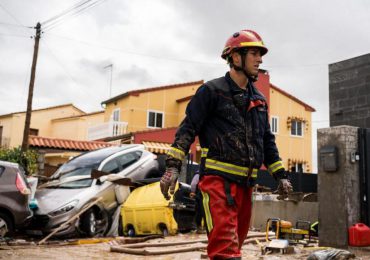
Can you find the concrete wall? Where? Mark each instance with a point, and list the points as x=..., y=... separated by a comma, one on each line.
x=349, y=92
x=285, y=210
x=339, y=191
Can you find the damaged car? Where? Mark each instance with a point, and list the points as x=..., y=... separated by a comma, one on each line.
x=14, y=198
x=72, y=187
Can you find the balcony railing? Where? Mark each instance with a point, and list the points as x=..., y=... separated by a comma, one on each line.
x=108, y=129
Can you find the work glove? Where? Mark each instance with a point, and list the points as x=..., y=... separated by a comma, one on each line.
x=168, y=181
x=284, y=188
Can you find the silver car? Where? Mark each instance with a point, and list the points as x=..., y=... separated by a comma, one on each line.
x=73, y=188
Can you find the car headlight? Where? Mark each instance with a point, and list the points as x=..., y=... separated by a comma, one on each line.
x=64, y=209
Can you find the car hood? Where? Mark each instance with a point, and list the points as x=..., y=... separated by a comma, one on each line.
x=49, y=200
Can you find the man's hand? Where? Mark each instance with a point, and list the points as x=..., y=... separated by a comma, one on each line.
x=168, y=181
x=284, y=188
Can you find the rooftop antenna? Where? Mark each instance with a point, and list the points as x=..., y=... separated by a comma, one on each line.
x=110, y=82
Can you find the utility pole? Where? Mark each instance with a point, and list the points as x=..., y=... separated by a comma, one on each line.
x=30, y=89
x=110, y=82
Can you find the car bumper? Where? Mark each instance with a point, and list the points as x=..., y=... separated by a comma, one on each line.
x=22, y=218
x=47, y=224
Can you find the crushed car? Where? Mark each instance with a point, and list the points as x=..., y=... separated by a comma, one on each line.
x=72, y=187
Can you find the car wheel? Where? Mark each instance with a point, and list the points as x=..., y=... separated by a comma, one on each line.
x=89, y=223
x=164, y=230
x=131, y=232
x=6, y=225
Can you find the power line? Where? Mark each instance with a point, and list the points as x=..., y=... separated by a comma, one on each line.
x=15, y=25
x=65, y=11
x=175, y=59
x=136, y=53
x=59, y=62
x=9, y=13
x=71, y=12
x=14, y=35
x=61, y=65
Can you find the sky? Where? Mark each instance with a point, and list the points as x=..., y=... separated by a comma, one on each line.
x=159, y=42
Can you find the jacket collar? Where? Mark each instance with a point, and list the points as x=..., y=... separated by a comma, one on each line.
x=254, y=93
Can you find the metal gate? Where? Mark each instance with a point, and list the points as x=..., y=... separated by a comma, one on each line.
x=364, y=153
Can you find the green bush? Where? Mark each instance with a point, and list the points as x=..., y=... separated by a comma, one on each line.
x=28, y=159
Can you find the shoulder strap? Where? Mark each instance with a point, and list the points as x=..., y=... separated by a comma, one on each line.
x=218, y=84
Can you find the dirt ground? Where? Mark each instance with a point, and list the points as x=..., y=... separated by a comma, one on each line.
x=102, y=251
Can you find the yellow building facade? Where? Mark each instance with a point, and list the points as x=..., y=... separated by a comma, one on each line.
x=150, y=108
x=290, y=121
x=75, y=127
x=12, y=125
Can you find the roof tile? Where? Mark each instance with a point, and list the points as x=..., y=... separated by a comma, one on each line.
x=65, y=144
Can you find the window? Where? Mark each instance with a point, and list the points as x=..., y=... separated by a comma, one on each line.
x=297, y=167
x=116, y=115
x=111, y=167
x=34, y=131
x=296, y=128
x=128, y=159
x=155, y=119
x=274, y=124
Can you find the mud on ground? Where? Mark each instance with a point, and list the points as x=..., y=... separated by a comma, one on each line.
x=102, y=251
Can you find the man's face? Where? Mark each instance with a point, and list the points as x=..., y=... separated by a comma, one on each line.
x=253, y=59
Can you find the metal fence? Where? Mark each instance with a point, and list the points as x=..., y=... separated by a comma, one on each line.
x=302, y=182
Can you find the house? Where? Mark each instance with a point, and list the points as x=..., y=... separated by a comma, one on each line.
x=12, y=125
x=56, y=132
x=150, y=108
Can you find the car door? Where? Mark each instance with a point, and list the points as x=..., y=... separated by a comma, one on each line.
x=130, y=164
x=106, y=189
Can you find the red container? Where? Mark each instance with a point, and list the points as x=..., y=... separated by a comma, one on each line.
x=359, y=235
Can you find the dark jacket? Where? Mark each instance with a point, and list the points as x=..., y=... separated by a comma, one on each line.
x=235, y=132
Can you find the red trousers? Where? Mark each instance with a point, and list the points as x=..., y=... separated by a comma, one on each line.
x=227, y=225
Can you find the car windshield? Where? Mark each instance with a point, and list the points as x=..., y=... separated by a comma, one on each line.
x=85, y=171
x=78, y=184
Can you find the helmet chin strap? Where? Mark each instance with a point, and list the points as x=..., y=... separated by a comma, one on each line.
x=242, y=68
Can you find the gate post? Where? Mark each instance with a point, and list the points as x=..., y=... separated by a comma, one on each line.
x=338, y=184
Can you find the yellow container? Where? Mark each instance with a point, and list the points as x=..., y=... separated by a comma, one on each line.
x=146, y=212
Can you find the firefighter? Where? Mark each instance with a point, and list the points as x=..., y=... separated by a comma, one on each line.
x=229, y=115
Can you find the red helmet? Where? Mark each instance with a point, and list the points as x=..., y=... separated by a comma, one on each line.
x=243, y=39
